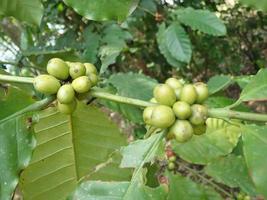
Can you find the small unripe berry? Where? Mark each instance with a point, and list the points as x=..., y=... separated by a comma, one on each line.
x=76, y=70
x=177, y=92
x=90, y=68
x=65, y=94
x=182, y=110
x=174, y=83
x=199, y=114
x=159, y=116
x=202, y=92
x=46, y=84
x=182, y=130
x=171, y=166
x=58, y=68
x=153, y=100
x=188, y=94
x=67, y=108
x=164, y=94
x=93, y=78
x=172, y=159
x=81, y=84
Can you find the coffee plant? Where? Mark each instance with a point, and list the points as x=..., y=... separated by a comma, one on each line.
x=75, y=81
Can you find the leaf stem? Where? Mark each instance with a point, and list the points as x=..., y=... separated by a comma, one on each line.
x=120, y=99
x=226, y=113
x=212, y=112
x=17, y=79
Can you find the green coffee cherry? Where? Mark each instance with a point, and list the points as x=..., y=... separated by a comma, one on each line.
x=46, y=84
x=199, y=129
x=147, y=114
x=58, y=68
x=76, y=70
x=178, y=92
x=247, y=197
x=164, y=94
x=81, y=84
x=199, y=114
x=93, y=78
x=65, y=94
x=188, y=94
x=182, y=110
x=159, y=116
x=153, y=100
x=90, y=68
x=202, y=92
x=172, y=159
x=67, y=108
x=171, y=166
x=182, y=130
x=174, y=83
x=25, y=72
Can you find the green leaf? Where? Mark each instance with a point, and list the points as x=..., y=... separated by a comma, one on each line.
x=131, y=85
x=221, y=101
x=30, y=11
x=178, y=42
x=161, y=40
x=134, y=154
x=68, y=148
x=243, y=80
x=261, y=5
x=231, y=171
x=255, y=145
x=16, y=145
x=114, y=42
x=103, y=10
x=183, y=188
x=92, y=42
x=13, y=99
x=137, y=178
x=202, y=20
x=115, y=190
x=219, y=82
x=256, y=89
x=217, y=141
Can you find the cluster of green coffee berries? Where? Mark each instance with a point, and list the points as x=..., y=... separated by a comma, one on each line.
x=68, y=80
x=179, y=108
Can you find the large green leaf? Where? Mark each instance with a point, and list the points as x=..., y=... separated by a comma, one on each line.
x=102, y=9
x=232, y=171
x=68, y=148
x=217, y=141
x=30, y=11
x=183, y=188
x=13, y=99
x=161, y=40
x=178, y=42
x=202, y=20
x=256, y=89
x=16, y=144
x=219, y=82
x=255, y=145
x=116, y=190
